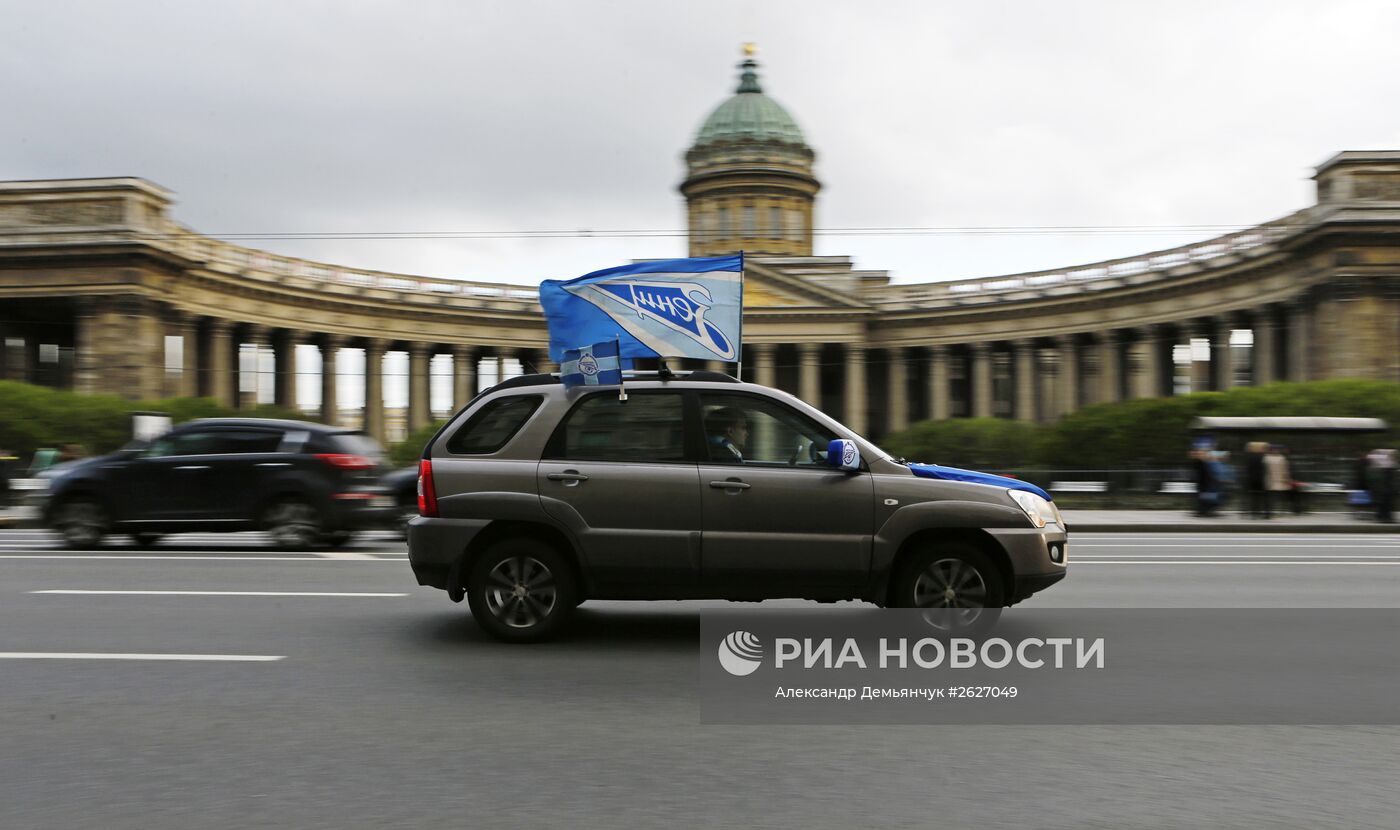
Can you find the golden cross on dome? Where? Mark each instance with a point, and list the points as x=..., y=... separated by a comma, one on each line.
x=750, y=49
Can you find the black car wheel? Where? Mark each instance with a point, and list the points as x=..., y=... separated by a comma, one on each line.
x=293, y=524
x=958, y=585
x=146, y=539
x=81, y=522
x=522, y=590
x=338, y=538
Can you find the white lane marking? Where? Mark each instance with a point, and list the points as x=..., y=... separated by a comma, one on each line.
x=214, y=593
x=87, y=655
x=136, y=558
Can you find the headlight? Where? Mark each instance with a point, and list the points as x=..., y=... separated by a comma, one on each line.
x=1038, y=509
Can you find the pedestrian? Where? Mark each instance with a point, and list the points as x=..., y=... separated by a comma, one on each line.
x=1205, y=483
x=1254, y=479
x=1277, y=478
x=1382, y=478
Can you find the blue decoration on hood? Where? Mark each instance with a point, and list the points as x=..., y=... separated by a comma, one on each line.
x=974, y=477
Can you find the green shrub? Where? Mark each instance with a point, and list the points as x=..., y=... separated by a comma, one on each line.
x=967, y=442
x=407, y=452
x=39, y=416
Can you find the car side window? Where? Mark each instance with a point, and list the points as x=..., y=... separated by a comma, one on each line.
x=245, y=442
x=184, y=443
x=493, y=425
x=756, y=431
x=647, y=427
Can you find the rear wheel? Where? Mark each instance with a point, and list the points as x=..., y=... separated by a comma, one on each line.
x=956, y=582
x=81, y=522
x=338, y=538
x=146, y=538
x=522, y=590
x=293, y=524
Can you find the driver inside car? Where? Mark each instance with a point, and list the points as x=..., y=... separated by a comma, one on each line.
x=728, y=433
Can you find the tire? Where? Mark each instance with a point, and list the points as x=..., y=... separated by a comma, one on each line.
x=956, y=582
x=522, y=590
x=293, y=524
x=146, y=538
x=338, y=538
x=82, y=522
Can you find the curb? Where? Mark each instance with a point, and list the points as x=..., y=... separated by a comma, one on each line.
x=1232, y=527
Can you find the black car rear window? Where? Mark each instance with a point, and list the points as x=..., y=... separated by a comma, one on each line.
x=493, y=425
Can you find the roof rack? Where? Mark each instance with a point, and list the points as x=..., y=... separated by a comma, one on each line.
x=546, y=380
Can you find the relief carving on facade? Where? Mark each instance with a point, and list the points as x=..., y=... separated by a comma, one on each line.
x=85, y=214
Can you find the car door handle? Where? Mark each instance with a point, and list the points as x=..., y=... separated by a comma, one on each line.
x=273, y=464
x=732, y=484
x=571, y=478
x=193, y=467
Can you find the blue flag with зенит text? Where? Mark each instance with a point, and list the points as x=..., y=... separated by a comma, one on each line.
x=596, y=365
x=668, y=308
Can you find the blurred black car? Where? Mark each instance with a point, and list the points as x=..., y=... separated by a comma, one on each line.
x=403, y=486
x=306, y=484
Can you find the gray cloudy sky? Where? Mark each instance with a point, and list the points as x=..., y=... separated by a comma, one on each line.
x=483, y=116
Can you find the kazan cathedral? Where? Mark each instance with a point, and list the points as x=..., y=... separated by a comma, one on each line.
x=105, y=292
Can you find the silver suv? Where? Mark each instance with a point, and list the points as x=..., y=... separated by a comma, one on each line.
x=535, y=497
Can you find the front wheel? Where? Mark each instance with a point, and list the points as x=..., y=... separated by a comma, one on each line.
x=81, y=522
x=956, y=582
x=521, y=591
x=145, y=539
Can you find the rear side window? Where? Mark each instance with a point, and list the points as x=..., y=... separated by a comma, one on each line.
x=493, y=425
x=354, y=443
x=645, y=428
x=240, y=442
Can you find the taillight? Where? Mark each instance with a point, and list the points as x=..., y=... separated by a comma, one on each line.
x=346, y=461
x=427, y=493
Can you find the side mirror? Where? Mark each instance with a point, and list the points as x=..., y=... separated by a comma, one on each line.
x=843, y=455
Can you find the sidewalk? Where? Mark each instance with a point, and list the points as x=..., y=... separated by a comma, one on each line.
x=1181, y=521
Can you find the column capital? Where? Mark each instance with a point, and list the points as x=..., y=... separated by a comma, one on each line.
x=376, y=344
x=257, y=333
x=419, y=350
x=1050, y=361
x=1066, y=341
x=220, y=326
x=1023, y=344
x=809, y=351
x=938, y=351
x=762, y=349
x=981, y=347
x=464, y=349
x=330, y=341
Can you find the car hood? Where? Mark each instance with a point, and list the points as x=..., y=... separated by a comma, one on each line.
x=972, y=476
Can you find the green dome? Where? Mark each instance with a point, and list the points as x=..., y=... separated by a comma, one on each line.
x=749, y=116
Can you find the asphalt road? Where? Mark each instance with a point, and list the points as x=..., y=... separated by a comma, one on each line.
x=386, y=707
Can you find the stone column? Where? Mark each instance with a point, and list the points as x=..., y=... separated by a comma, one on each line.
x=1264, y=354
x=1049, y=364
x=717, y=366
x=1024, y=356
x=188, y=329
x=330, y=405
x=1069, y=373
x=463, y=375
x=764, y=372
x=855, y=392
x=374, y=389
x=1200, y=369
x=1222, y=354
x=1110, y=375
x=809, y=386
x=1147, y=364
x=285, y=361
x=982, y=380
x=939, y=401
x=258, y=336
x=897, y=389
x=222, y=380
x=419, y=415
x=1299, y=345
x=87, y=359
